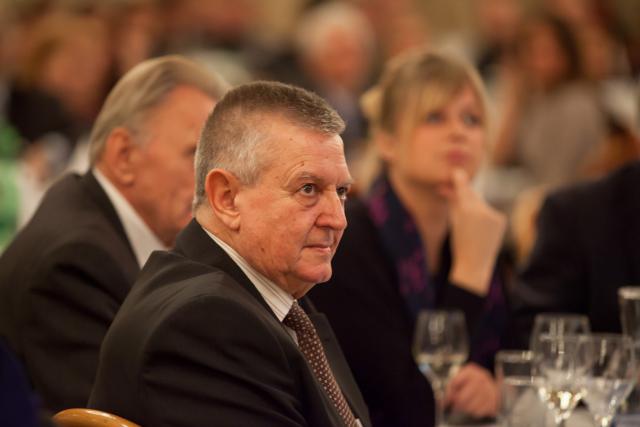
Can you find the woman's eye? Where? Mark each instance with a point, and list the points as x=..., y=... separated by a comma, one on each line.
x=471, y=119
x=434, y=117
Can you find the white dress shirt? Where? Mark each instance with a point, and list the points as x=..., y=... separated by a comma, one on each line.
x=142, y=239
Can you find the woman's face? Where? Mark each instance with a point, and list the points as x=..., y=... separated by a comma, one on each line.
x=445, y=139
x=543, y=57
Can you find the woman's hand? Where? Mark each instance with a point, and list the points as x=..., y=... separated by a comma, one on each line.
x=477, y=230
x=473, y=391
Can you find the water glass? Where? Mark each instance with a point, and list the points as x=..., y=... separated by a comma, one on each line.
x=629, y=303
x=520, y=404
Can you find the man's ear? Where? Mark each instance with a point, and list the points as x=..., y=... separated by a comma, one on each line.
x=222, y=188
x=120, y=157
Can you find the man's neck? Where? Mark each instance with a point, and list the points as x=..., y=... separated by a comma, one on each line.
x=140, y=236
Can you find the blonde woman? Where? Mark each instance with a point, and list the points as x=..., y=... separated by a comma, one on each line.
x=420, y=237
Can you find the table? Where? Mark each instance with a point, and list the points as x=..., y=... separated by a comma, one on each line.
x=579, y=418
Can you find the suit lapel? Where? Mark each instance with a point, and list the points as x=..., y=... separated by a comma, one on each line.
x=93, y=188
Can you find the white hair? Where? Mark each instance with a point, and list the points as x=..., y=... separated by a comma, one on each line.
x=319, y=23
x=143, y=88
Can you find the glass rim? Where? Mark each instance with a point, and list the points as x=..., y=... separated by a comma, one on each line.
x=567, y=337
x=593, y=337
x=549, y=315
x=629, y=292
x=440, y=312
x=511, y=356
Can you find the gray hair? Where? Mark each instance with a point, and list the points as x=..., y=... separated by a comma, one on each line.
x=144, y=87
x=234, y=132
x=316, y=26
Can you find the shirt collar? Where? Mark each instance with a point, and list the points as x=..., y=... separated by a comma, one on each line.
x=142, y=239
x=278, y=300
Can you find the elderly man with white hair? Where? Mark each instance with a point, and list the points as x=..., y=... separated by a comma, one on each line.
x=64, y=276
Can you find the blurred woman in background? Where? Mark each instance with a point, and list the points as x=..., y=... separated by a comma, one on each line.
x=420, y=238
x=551, y=118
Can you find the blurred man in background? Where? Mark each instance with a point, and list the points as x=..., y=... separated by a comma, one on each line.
x=64, y=276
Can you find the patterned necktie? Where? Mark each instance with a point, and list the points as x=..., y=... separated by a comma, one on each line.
x=311, y=347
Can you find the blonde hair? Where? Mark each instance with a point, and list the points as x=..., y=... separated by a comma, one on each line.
x=412, y=85
x=144, y=87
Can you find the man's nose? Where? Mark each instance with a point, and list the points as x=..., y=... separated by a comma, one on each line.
x=332, y=214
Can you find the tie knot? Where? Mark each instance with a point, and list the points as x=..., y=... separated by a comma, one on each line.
x=298, y=320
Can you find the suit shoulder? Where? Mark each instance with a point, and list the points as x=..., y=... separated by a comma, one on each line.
x=188, y=302
x=606, y=192
x=169, y=282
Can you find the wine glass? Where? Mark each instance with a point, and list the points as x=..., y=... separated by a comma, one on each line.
x=612, y=376
x=562, y=362
x=440, y=348
x=557, y=324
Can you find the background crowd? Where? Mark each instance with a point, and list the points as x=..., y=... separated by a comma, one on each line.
x=561, y=75
x=562, y=106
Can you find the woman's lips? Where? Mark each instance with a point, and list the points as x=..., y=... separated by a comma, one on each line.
x=458, y=158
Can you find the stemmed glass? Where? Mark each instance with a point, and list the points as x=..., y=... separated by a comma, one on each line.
x=562, y=362
x=440, y=348
x=557, y=324
x=612, y=376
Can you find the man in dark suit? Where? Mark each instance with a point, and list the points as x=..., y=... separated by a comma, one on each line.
x=586, y=249
x=66, y=273
x=213, y=331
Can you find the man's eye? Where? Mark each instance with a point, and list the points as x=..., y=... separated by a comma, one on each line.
x=342, y=192
x=308, y=189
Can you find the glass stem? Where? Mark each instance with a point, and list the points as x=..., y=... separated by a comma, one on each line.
x=559, y=420
x=604, y=421
x=438, y=392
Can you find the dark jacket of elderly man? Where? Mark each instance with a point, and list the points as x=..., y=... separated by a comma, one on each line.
x=64, y=276
x=217, y=331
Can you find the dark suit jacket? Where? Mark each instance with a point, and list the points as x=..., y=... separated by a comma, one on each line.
x=195, y=344
x=588, y=246
x=62, y=280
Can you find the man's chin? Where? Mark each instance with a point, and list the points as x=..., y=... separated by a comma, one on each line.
x=321, y=278
x=318, y=274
